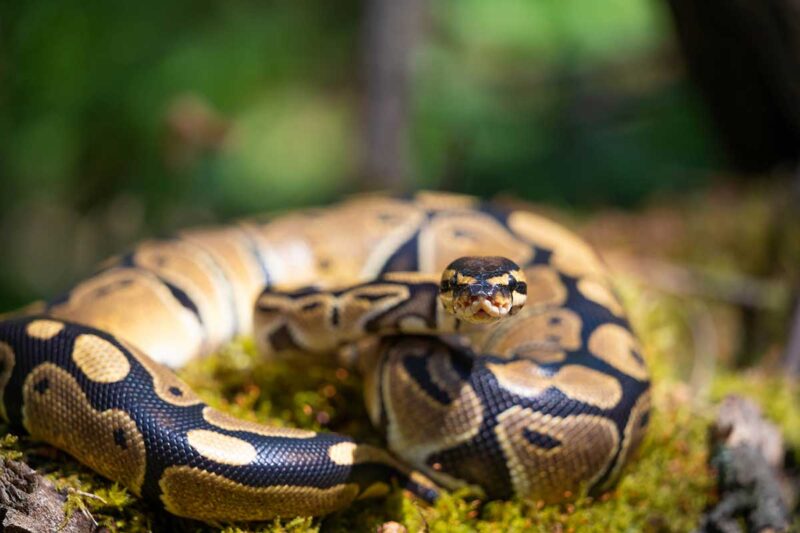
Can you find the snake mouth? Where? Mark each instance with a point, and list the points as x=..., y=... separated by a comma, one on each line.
x=481, y=309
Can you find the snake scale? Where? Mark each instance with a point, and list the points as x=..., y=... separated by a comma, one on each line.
x=547, y=401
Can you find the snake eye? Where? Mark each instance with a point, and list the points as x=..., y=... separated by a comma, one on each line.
x=512, y=283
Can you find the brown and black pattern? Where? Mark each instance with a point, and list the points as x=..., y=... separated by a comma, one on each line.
x=540, y=391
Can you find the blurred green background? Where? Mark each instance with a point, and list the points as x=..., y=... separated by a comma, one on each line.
x=126, y=120
x=121, y=120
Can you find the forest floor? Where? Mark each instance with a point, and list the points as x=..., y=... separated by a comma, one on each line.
x=704, y=280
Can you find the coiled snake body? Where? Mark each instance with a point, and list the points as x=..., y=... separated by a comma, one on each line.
x=540, y=404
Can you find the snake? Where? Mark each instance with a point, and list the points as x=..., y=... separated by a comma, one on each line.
x=494, y=351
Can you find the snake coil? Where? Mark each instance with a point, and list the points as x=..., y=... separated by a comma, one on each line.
x=541, y=404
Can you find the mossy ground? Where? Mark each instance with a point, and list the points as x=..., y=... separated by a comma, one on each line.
x=665, y=489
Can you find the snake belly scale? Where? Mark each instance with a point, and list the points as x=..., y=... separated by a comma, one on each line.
x=547, y=402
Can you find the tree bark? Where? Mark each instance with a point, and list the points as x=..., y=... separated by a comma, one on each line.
x=744, y=56
x=29, y=503
x=747, y=453
x=391, y=29
x=791, y=359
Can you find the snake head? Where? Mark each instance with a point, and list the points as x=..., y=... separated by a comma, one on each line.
x=482, y=290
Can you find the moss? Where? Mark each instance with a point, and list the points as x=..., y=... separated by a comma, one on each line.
x=10, y=446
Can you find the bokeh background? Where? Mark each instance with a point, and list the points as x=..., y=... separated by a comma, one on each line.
x=123, y=120
x=667, y=132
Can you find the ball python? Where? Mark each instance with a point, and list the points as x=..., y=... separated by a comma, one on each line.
x=495, y=355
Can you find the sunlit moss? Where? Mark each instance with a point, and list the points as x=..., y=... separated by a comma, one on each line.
x=10, y=446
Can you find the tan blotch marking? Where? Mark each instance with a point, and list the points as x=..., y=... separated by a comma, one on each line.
x=44, y=329
x=544, y=287
x=383, y=226
x=133, y=304
x=7, y=361
x=293, y=244
x=614, y=345
x=231, y=423
x=450, y=235
x=635, y=431
x=541, y=354
x=413, y=277
x=166, y=384
x=57, y=411
x=525, y=378
x=221, y=448
x=413, y=324
x=185, y=492
x=342, y=453
x=463, y=279
x=186, y=266
x=600, y=293
x=100, y=360
x=233, y=252
x=287, y=255
x=417, y=423
x=571, y=254
x=498, y=280
x=553, y=331
x=445, y=201
x=578, y=451
x=350, y=453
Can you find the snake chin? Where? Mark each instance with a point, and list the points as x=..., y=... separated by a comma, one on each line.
x=481, y=310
